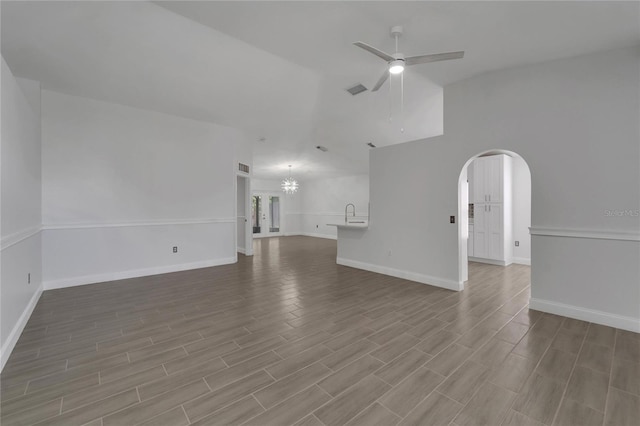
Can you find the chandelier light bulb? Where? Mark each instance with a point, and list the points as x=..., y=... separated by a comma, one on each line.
x=289, y=185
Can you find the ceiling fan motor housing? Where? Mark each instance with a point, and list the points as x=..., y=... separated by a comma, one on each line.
x=396, y=31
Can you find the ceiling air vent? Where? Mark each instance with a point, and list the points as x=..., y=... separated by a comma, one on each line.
x=371, y=145
x=322, y=148
x=243, y=168
x=358, y=88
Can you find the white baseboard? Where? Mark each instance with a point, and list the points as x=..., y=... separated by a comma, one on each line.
x=241, y=250
x=100, y=278
x=489, y=261
x=585, y=314
x=11, y=341
x=407, y=275
x=522, y=260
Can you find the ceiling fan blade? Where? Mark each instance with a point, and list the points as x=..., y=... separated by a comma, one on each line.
x=383, y=78
x=377, y=52
x=424, y=59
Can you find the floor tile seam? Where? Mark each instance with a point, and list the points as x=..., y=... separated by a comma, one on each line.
x=49, y=375
x=575, y=362
x=606, y=401
x=533, y=371
x=47, y=418
x=239, y=378
x=42, y=422
x=185, y=413
x=225, y=404
x=416, y=369
x=102, y=399
x=125, y=390
x=592, y=369
x=332, y=398
x=290, y=397
x=379, y=401
x=441, y=350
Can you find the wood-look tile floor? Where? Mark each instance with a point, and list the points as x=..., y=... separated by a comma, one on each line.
x=288, y=337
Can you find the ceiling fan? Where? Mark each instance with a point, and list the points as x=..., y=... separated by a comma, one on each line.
x=397, y=62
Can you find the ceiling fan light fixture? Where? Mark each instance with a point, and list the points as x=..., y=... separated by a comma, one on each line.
x=396, y=67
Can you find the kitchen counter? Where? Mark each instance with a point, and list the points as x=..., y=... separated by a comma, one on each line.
x=350, y=225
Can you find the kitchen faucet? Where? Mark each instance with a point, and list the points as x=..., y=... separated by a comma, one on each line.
x=346, y=210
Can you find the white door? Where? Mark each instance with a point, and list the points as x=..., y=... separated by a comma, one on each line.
x=495, y=230
x=480, y=231
x=495, y=176
x=479, y=179
x=265, y=215
x=241, y=215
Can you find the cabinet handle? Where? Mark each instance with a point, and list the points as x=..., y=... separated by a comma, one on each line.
x=489, y=197
x=489, y=207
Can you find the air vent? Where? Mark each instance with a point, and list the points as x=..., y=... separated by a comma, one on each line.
x=358, y=88
x=371, y=145
x=243, y=168
x=322, y=148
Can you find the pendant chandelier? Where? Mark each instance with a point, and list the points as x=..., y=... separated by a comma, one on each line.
x=289, y=185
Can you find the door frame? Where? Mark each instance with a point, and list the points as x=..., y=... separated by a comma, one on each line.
x=463, y=211
x=248, y=239
x=264, y=194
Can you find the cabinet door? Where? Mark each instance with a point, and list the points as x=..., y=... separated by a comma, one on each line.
x=480, y=235
x=470, y=242
x=495, y=177
x=479, y=179
x=495, y=224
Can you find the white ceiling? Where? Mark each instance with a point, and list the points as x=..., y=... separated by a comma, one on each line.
x=279, y=69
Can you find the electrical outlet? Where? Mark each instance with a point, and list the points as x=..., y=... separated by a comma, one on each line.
x=29, y=278
x=389, y=253
x=517, y=243
x=452, y=219
x=316, y=226
x=175, y=249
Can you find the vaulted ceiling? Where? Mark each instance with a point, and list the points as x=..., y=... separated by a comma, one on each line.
x=279, y=70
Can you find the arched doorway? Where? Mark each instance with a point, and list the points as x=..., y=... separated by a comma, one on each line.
x=502, y=234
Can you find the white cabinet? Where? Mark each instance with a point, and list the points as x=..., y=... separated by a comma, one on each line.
x=492, y=226
x=470, y=251
x=488, y=178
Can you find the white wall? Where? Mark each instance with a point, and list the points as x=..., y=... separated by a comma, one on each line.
x=521, y=204
x=288, y=203
x=575, y=122
x=122, y=186
x=20, y=207
x=319, y=202
x=324, y=201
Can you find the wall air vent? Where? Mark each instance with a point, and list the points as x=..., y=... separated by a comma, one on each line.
x=358, y=88
x=243, y=168
x=322, y=148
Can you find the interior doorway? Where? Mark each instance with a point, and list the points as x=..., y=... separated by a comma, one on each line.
x=266, y=214
x=494, y=210
x=243, y=232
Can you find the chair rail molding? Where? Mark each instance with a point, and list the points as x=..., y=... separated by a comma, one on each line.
x=166, y=222
x=596, y=234
x=17, y=237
